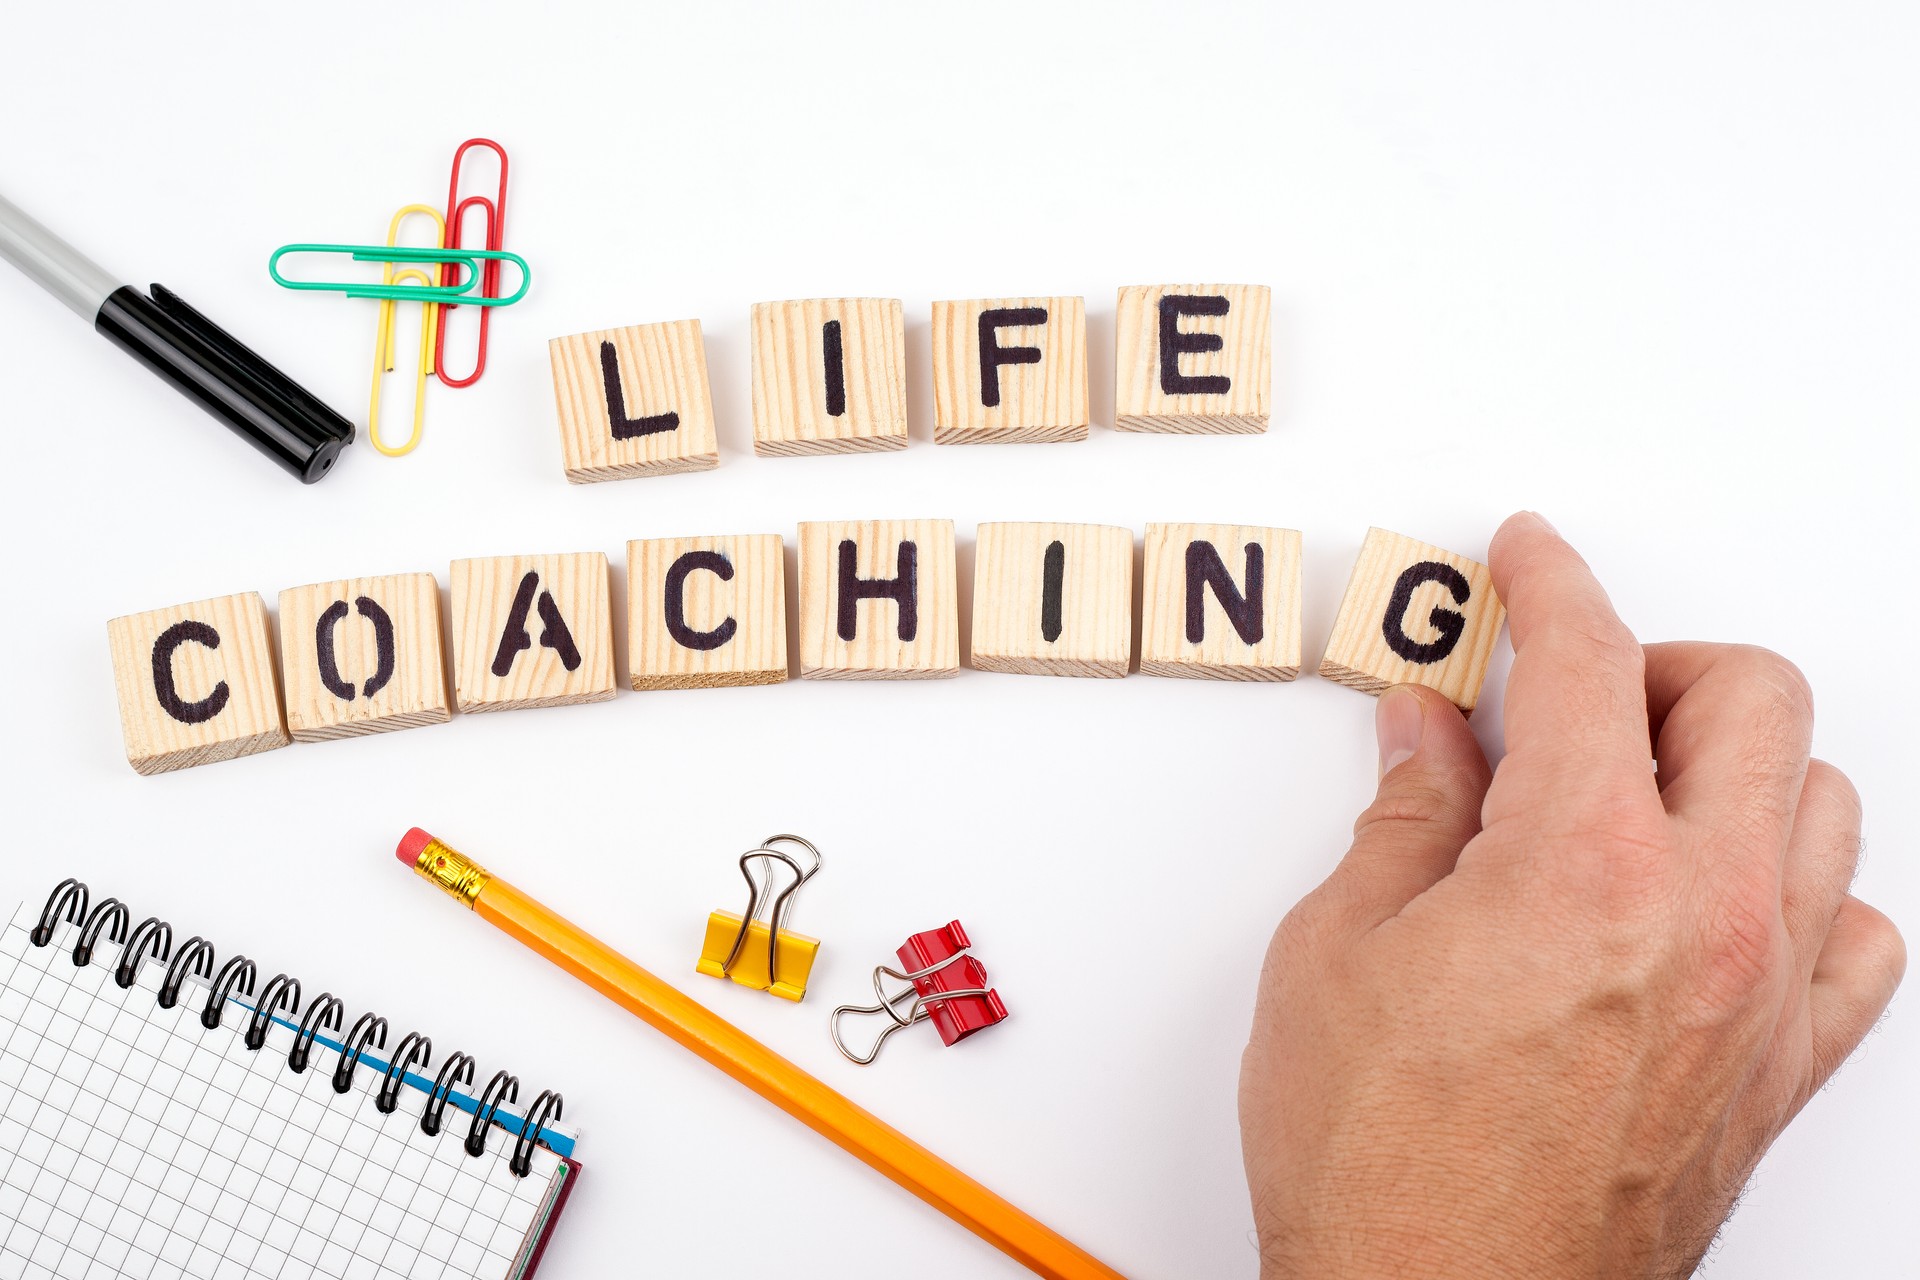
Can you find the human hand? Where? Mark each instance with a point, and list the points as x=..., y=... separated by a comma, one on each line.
x=1544, y=1022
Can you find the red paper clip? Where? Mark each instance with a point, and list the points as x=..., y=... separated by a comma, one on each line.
x=496, y=215
x=947, y=986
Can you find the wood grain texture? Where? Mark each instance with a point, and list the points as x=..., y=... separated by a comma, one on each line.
x=232, y=679
x=754, y=598
x=877, y=652
x=1359, y=653
x=1040, y=403
x=790, y=402
x=663, y=369
x=1095, y=615
x=414, y=694
x=1140, y=400
x=1221, y=653
x=484, y=594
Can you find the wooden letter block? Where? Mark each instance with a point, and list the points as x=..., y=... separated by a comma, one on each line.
x=1193, y=359
x=1221, y=602
x=878, y=600
x=706, y=612
x=1414, y=614
x=829, y=376
x=363, y=656
x=634, y=402
x=531, y=631
x=196, y=683
x=1010, y=371
x=1053, y=599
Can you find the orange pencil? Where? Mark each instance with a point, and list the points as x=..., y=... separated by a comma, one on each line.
x=1020, y=1236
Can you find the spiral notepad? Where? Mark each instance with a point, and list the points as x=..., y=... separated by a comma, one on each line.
x=159, y=1120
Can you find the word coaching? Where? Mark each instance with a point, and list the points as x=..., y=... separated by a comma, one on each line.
x=198, y=682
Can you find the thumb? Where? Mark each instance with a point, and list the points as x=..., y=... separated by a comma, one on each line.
x=1433, y=780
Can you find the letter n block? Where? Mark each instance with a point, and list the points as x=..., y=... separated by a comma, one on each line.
x=363, y=655
x=531, y=631
x=196, y=683
x=706, y=612
x=829, y=376
x=1053, y=599
x=1221, y=602
x=634, y=402
x=1010, y=371
x=878, y=600
x=1193, y=359
x=1414, y=614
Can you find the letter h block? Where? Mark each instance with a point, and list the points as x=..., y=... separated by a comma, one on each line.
x=706, y=613
x=1010, y=371
x=363, y=655
x=634, y=402
x=878, y=600
x=196, y=683
x=1221, y=602
x=1414, y=614
x=1193, y=359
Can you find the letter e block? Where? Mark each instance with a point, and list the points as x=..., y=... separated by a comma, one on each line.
x=634, y=402
x=829, y=376
x=1193, y=359
x=878, y=600
x=1414, y=614
x=363, y=655
x=1221, y=602
x=1053, y=599
x=196, y=683
x=1010, y=371
x=531, y=631
x=706, y=612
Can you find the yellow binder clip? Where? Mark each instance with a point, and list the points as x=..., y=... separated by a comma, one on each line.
x=383, y=337
x=757, y=953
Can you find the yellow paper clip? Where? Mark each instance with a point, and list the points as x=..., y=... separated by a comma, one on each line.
x=383, y=338
x=763, y=954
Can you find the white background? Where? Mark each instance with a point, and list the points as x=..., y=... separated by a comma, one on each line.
x=1649, y=269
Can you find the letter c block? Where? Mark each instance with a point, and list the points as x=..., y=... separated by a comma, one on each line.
x=196, y=683
x=706, y=613
x=363, y=655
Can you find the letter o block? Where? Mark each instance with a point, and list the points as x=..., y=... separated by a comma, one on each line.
x=1193, y=359
x=1221, y=602
x=878, y=600
x=196, y=683
x=363, y=655
x=1414, y=614
x=706, y=613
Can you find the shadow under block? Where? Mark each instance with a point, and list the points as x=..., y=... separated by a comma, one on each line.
x=1010, y=371
x=196, y=683
x=1193, y=359
x=706, y=612
x=1053, y=599
x=634, y=402
x=878, y=600
x=1221, y=602
x=829, y=376
x=363, y=655
x=531, y=631
x=1414, y=614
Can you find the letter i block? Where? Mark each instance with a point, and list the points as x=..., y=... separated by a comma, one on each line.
x=634, y=402
x=1221, y=602
x=829, y=376
x=531, y=631
x=1053, y=599
x=1414, y=614
x=706, y=612
x=1010, y=371
x=196, y=683
x=363, y=655
x=878, y=600
x=1193, y=359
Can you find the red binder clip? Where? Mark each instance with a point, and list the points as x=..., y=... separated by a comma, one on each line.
x=945, y=984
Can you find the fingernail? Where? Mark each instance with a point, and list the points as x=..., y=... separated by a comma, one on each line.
x=1546, y=522
x=1398, y=721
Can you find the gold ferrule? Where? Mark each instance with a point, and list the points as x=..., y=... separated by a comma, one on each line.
x=459, y=875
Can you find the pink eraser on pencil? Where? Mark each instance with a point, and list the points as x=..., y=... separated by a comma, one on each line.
x=411, y=844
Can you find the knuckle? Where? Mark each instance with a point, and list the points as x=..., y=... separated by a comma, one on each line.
x=1829, y=787
x=1743, y=944
x=1410, y=802
x=1773, y=682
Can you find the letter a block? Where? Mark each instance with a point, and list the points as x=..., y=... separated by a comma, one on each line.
x=1414, y=614
x=706, y=612
x=196, y=683
x=878, y=600
x=531, y=631
x=829, y=376
x=1193, y=359
x=363, y=655
x=634, y=402
x=1053, y=599
x=1010, y=371
x=1221, y=602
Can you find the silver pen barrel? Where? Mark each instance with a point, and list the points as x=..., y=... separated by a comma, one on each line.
x=52, y=263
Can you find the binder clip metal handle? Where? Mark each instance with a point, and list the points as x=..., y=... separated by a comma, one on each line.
x=919, y=1007
x=734, y=944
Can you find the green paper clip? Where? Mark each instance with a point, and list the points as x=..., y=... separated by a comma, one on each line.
x=468, y=260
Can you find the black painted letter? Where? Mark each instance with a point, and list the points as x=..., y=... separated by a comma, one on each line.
x=676, y=602
x=835, y=367
x=1174, y=343
x=993, y=355
x=163, y=687
x=553, y=629
x=327, y=659
x=1245, y=611
x=903, y=589
x=625, y=428
x=1448, y=622
x=1053, y=583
